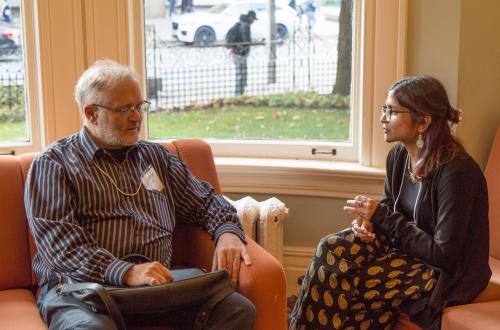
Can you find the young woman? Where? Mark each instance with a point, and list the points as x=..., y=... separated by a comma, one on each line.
x=424, y=245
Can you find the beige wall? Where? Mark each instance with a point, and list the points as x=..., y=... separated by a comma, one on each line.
x=433, y=41
x=457, y=41
x=479, y=75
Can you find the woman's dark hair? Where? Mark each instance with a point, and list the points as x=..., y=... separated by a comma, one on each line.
x=424, y=95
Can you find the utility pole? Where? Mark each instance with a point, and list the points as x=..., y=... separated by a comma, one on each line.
x=270, y=43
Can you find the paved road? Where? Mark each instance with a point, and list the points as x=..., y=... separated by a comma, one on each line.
x=326, y=24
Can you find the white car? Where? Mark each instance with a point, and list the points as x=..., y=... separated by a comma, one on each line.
x=208, y=27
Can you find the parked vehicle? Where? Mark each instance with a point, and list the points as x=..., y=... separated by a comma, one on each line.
x=10, y=41
x=206, y=28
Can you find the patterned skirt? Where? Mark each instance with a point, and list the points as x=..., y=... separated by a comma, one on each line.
x=351, y=284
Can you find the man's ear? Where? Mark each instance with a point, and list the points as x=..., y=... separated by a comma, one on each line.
x=91, y=114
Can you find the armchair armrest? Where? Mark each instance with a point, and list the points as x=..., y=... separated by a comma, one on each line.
x=264, y=283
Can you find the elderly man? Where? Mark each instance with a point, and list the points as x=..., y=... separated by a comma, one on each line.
x=101, y=194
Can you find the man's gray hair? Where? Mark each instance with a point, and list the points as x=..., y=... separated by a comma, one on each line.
x=100, y=77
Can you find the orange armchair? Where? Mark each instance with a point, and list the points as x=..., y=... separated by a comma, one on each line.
x=263, y=282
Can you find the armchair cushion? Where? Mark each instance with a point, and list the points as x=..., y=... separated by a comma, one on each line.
x=484, y=316
x=18, y=310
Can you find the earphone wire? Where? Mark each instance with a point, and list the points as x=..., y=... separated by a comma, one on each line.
x=416, y=203
x=401, y=188
x=114, y=183
x=401, y=185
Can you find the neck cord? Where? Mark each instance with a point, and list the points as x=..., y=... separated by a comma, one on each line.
x=410, y=169
x=113, y=181
x=416, y=202
x=401, y=188
x=401, y=185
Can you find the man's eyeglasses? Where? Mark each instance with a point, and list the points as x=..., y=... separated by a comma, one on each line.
x=387, y=112
x=127, y=109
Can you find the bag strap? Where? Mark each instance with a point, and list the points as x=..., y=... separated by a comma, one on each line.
x=204, y=312
x=108, y=301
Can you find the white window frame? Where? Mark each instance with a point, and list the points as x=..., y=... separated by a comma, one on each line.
x=32, y=85
x=345, y=151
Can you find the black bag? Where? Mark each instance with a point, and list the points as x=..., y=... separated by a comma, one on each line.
x=233, y=36
x=191, y=287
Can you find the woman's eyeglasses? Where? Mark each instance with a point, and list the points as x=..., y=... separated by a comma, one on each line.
x=387, y=112
x=127, y=109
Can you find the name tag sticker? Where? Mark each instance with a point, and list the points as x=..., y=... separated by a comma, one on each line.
x=151, y=181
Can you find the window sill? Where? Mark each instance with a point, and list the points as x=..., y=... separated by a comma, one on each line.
x=299, y=177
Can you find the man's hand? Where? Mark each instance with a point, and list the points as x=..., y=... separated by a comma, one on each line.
x=150, y=273
x=227, y=255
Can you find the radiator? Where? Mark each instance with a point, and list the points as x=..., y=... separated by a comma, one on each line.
x=263, y=222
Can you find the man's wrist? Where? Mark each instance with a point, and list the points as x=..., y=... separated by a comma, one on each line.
x=229, y=228
x=115, y=272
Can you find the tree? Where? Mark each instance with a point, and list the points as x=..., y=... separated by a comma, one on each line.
x=344, y=50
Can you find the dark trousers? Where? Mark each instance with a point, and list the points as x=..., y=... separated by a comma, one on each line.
x=66, y=312
x=241, y=73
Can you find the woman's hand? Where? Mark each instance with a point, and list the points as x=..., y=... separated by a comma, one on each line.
x=363, y=229
x=362, y=208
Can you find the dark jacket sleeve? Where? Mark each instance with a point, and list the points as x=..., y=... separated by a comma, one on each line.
x=451, y=191
x=245, y=37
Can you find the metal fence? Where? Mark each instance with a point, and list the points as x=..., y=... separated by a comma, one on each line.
x=181, y=75
x=12, y=95
x=11, y=87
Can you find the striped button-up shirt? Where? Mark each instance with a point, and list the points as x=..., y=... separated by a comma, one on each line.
x=84, y=212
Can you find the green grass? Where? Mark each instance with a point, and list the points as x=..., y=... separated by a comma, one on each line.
x=241, y=122
x=14, y=132
x=236, y=122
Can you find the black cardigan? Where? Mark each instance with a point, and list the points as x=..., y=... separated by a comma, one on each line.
x=450, y=232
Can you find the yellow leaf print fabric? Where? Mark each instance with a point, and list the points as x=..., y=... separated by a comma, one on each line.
x=351, y=284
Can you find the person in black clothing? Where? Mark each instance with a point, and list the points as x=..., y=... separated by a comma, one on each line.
x=6, y=13
x=241, y=49
x=187, y=6
x=424, y=245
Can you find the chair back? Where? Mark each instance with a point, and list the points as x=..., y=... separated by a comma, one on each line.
x=492, y=174
x=15, y=260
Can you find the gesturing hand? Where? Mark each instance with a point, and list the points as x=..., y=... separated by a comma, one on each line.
x=150, y=273
x=362, y=208
x=227, y=255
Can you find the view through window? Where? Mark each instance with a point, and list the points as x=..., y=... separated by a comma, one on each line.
x=13, y=116
x=205, y=84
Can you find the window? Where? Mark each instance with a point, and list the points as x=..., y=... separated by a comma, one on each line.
x=254, y=105
x=18, y=131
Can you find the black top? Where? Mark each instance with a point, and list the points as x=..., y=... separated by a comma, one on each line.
x=450, y=232
x=408, y=198
x=242, y=48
